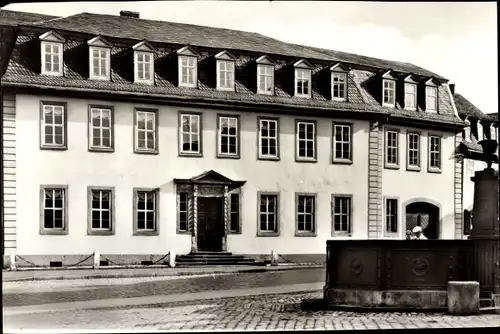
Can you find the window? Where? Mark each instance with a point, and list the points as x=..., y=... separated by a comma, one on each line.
x=145, y=131
x=391, y=148
x=99, y=63
x=268, y=214
x=339, y=82
x=306, y=140
x=431, y=99
x=268, y=139
x=342, y=143
x=53, y=125
x=410, y=96
x=183, y=225
x=234, y=213
x=302, y=82
x=413, y=150
x=389, y=93
x=100, y=211
x=391, y=215
x=265, y=80
x=146, y=212
x=341, y=214
x=52, y=58
x=467, y=222
x=144, y=68
x=306, y=211
x=225, y=78
x=188, y=71
x=100, y=128
x=228, y=136
x=190, y=134
x=434, y=152
x=53, y=204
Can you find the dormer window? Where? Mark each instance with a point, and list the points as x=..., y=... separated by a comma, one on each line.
x=303, y=78
x=225, y=70
x=339, y=83
x=100, y=58
x=144, y=63
x=410, y=93
x=188, y=67
x=52, y=45
x=265, y=75
x=388, y=90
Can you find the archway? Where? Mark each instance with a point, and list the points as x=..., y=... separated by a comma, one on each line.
x=425, y=215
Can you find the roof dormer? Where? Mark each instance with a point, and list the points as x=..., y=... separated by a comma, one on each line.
x=226, y=64
x=99, y=58
x=339, y=82
x=265, y=75
x=410, y=89
x=431, y=95
x=303, y=72
x=51, y=46
x=144, y=62
x=188, y=66
x=389, y=89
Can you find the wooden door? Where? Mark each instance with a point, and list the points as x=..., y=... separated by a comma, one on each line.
x=210, y=224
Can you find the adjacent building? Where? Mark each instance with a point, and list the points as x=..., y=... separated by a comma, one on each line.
x=134, y=137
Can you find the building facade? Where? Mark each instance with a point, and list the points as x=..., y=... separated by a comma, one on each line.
x=123, y=139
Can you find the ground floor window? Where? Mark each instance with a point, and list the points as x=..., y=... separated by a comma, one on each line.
x=182, y=218
x=100, y=211
x=306, y=211
x=146, y=212
x=391, y=215
x=53, y=210
x=234, y=213
x=341, y=214
x=268, y=214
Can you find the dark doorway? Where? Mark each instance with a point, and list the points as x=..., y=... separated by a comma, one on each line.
x=425, y=215
x=210, y=224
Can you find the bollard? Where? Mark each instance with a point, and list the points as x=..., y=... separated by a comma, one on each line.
x=13, y=261
x=274, y=258
x=97, y=260
x=463, y=297
x=171, y=259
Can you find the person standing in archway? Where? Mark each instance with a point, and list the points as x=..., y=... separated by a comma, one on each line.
x=418, y=234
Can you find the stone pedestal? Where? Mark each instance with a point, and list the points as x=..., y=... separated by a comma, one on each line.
x=485, y=232
x=463, y=298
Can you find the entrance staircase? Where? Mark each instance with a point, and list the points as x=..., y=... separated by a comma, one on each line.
x=490, y=305
x=213, y=259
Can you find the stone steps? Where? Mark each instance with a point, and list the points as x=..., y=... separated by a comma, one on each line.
x=213, y=259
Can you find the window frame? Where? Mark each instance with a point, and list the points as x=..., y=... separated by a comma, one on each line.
x=427, y=89
x=60, y=54
x=398, y=216
x=298, y=158
x=430, y=168
x=309, y=86
x=387, y=164
x=90, y=230
x=48, y=231
x=348, y=233
x=180, y=132
x=195, y=72
x=230, y=202
x=151, y=65
x=259, y=88
x=41, y=127
x=233, y=85
x=336, y=160
x=261, y=233
x=314, y=232
x=189, y=199
x=393, y=82
x=338, y=73
x=414, y=168
x=269, y=157
x=221, y=155
x=145, y=232
x=90, y=127
x=93, y=76
x=156, y=134
x=415, y=101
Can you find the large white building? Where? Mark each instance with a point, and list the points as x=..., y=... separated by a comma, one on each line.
x=133, y=137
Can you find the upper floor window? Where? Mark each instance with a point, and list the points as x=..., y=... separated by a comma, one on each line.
x=389, y=93
x=339, y=83
x=228, y=136
x=52, y=45
x=144, y=62
x=391, y=148
x=265, y=80
x=53, y=125
x=410, y=96
x=268, y=138
x=434, y=153
x=413, y=158
x=431, y=98
x=100, y=58
x=302, y=82
x=306, y=140
x=100, y=128
x=225, y=75
x=146, y=126
x=188, y=71
x=342, y=143
x=190, y=134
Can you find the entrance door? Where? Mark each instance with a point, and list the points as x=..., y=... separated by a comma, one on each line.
x=210, y=224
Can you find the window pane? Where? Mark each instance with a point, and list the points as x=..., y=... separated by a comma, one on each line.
x=48, y=219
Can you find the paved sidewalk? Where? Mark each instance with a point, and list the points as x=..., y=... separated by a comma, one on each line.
x=68, y=274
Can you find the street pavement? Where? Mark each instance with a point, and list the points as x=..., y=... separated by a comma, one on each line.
x=257, y=301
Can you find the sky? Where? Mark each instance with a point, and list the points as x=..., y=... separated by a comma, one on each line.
x=457, y=40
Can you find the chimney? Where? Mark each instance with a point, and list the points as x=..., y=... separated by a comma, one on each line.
x=452, y=88
x=129, y=14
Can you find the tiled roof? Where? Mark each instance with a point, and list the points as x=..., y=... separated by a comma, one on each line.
x=23, y=71
x=218, y=38
x=466, y=109
x=10, y=17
